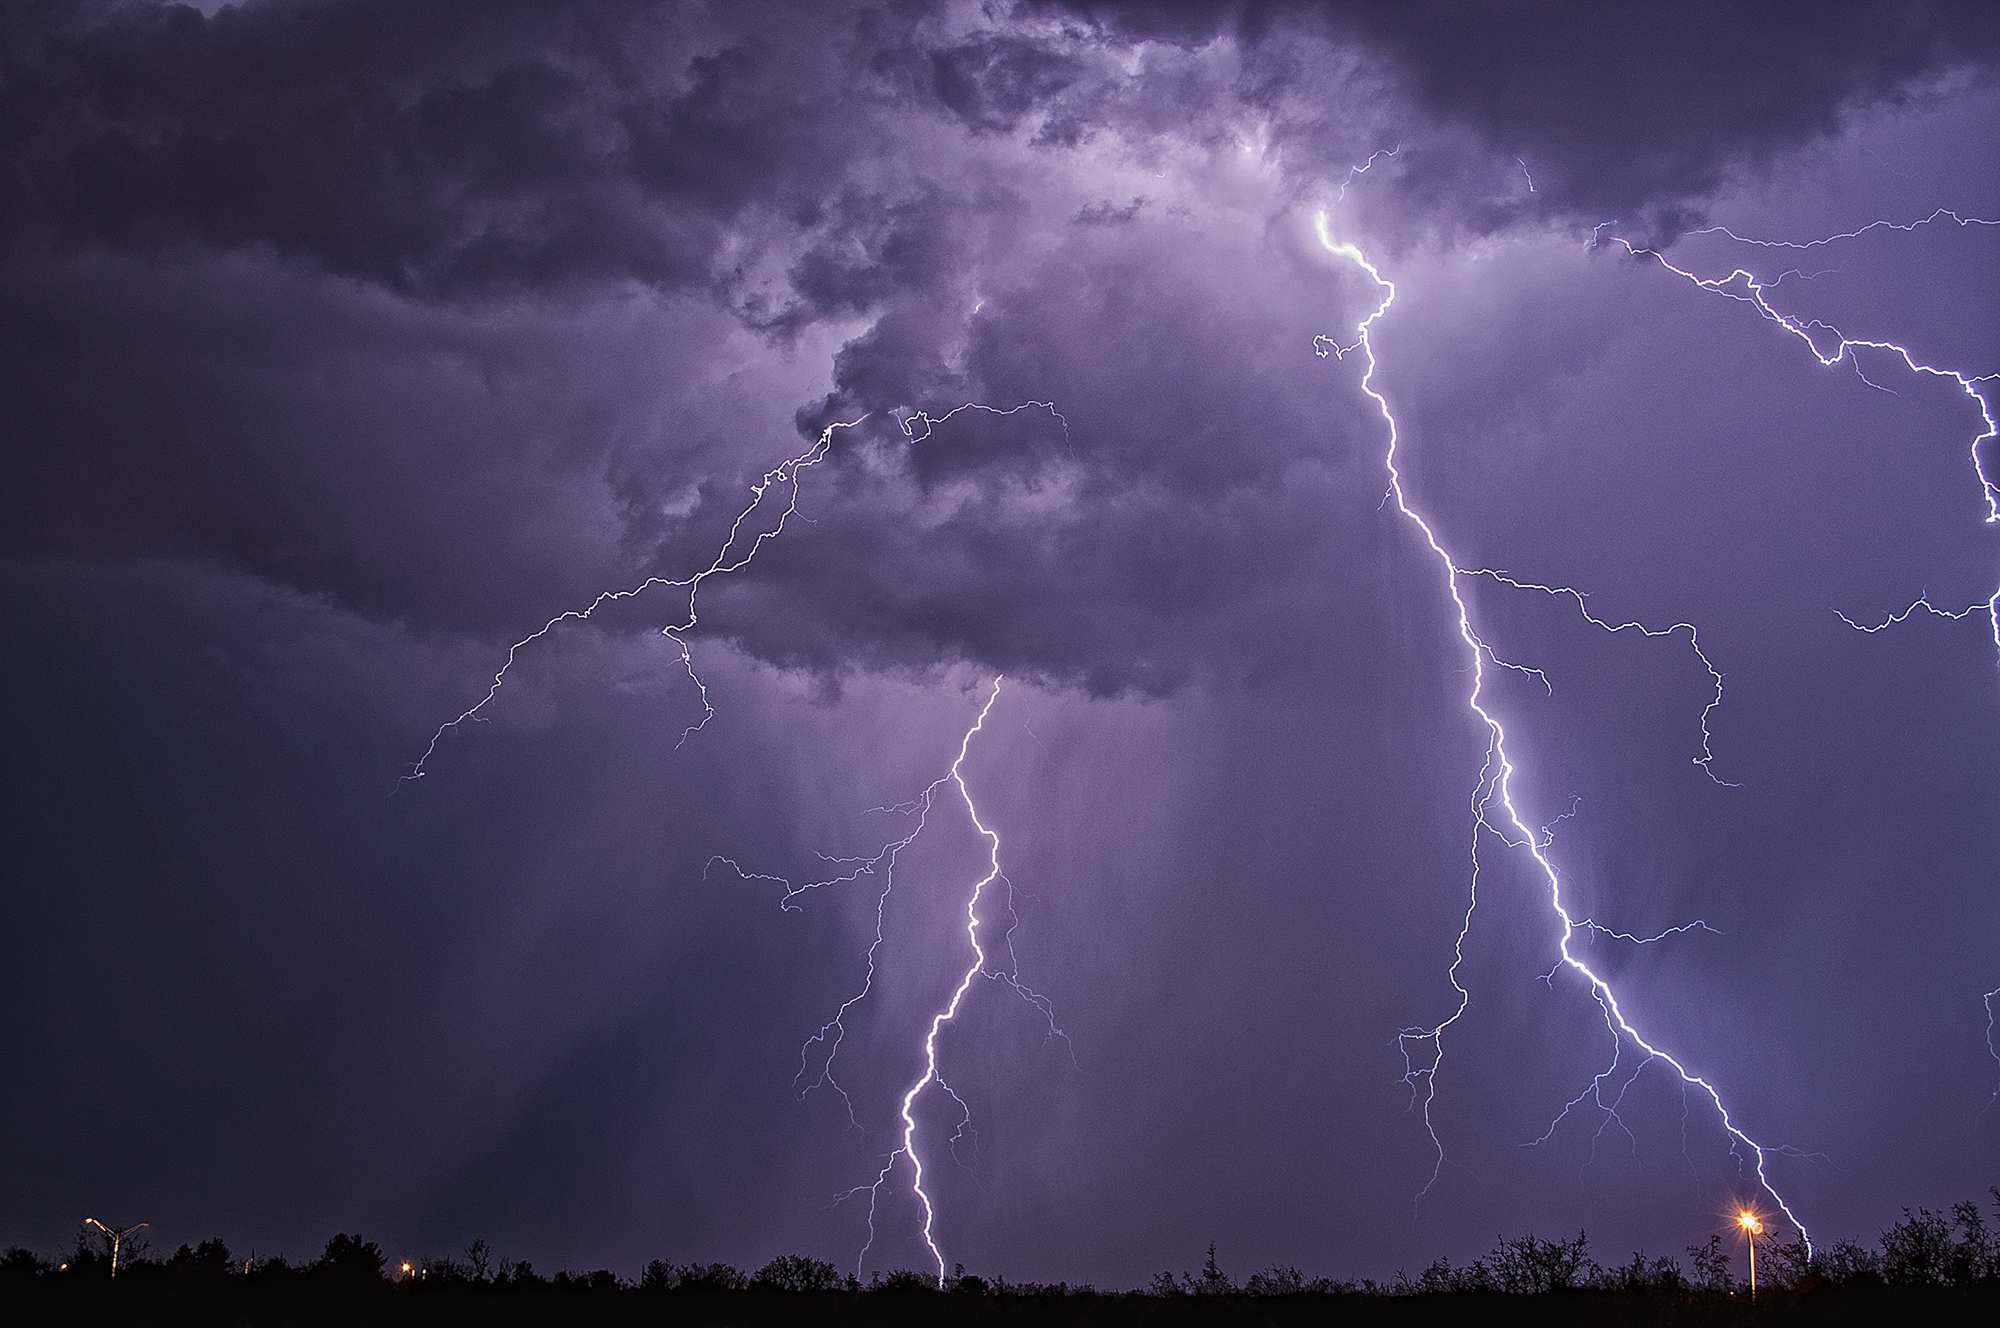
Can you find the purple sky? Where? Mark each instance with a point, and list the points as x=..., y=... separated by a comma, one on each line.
x=347, y=343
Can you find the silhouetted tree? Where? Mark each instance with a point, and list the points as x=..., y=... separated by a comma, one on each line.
x=210, y=1259
x=1285, y=1280
x=1658, y=1276
x=1789, y=1264
x=519, y=1272
x=89, y=1256
x=1847, y=1261
x=271, y=1268
x=1440, y=1276
x=1530, y=1266
x=23, y=1265
x=663, y=1276
x=1917, y=1251
x=350, y=1261
x=796, y=1272
x=1713, y=1270
x=1977, y=1254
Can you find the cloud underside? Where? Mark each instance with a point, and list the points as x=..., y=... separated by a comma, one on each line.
x=346, y=294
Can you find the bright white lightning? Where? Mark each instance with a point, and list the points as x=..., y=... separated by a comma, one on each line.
x=1745, y=286
x=1493, y=794
x=927, y=423
x=784, y=478
x=828, y=1039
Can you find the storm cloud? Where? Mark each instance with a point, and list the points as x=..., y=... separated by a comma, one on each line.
x=349, y=342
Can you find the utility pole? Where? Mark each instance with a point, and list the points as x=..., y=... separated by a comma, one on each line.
x=117, y=1238
x=1752, y=1225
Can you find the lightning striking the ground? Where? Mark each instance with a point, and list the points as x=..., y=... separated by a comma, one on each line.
x=1495, y=812
x=824, y=1045
x=783, y=479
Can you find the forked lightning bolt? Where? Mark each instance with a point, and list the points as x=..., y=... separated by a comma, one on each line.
x=824, y=1045
x=1830, y=346
x=1493, y=804
x=1745, y=286
x=783, y=479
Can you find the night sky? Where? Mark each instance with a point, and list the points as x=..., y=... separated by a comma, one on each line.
x=345, y=343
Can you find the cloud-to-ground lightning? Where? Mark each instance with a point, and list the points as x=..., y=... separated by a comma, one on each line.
x=782, y=479
x=824, y=1044
x=1494, y=809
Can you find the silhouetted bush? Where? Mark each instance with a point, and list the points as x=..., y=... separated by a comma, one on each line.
x=904, y=1279
x=1289, y=1281
x=1846, y=1261
x=661, y=1275
x=1713, y=1269
x=1529, y=1266
x=21, y=1265
x=796, y=1272
x=1661, y=1276
x=518, y=1273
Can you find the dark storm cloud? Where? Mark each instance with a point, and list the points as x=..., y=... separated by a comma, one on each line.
x=931, y=191
x=504, y=176
x=518, y=146
x=1620, y=110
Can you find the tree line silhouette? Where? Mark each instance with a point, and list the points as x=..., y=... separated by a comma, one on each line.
x=1944, y=1265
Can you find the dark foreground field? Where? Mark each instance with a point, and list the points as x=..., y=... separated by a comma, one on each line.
x=1929, y=1268
x=248, y=1306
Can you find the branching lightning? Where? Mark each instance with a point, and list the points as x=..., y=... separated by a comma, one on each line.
x=1830, y=346
x=918, y=420
x=1745, y=286
x=1495, y=812
x=824, y=1045
x=783, y=479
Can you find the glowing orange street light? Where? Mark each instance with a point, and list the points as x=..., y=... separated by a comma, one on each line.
x=117, y=1238
x=1753, y=1226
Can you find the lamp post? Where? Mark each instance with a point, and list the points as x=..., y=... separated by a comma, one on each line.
x=117, y=1238
x=1753, y=1226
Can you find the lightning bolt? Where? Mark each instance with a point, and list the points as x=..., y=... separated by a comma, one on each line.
x=919, y=420
x=782, y=479
x=1745, y=286
x=824, y=1045
x=1830, y=346
x=1493, y=806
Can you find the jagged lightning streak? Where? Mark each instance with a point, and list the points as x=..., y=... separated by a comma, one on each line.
x=1494, y=789
x=784, y=477
x=827, y=1040
x=1745, y=286
x=928, y=423
x=978, y=967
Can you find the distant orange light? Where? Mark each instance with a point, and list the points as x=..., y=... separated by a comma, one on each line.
x=1749, y=1221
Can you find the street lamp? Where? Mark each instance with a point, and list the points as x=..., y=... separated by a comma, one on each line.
x=1753, y=1226
x=117, y=1238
